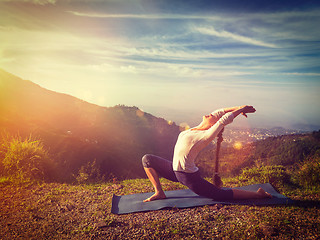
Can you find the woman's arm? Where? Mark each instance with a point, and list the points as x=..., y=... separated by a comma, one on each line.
x=220, y=112
x=227, y=118
x=231, y=109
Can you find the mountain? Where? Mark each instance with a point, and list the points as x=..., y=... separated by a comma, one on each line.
x=77, y=132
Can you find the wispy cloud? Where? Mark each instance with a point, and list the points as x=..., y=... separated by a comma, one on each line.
x=36, y=2
x=142, y=16
x=303, y=74
x=225, y=34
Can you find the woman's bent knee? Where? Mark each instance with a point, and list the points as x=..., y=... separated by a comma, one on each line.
x=146, y=161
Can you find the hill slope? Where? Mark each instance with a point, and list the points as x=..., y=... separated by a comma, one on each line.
x=77, y=132
x=290, y=151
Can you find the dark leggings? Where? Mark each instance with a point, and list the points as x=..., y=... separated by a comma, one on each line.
x=192, y=180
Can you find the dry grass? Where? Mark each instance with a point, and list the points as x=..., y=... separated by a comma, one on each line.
x=62, y=211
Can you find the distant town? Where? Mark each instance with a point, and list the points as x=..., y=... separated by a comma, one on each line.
x=243, y=136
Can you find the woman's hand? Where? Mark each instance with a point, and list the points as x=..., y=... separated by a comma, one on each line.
x=243, y=110
x=247, y=109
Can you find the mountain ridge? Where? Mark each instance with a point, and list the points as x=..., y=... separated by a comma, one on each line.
x=78, y=132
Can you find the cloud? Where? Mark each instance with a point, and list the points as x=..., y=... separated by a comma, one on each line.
x=224, y=34
x=178, y=53
x=189, y=71
x=142, y=16
x=303, y=74
x=128, y=69
x=295, y=25
x=37, y=2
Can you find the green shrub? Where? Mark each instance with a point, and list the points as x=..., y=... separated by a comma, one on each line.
x=276, y=175
x=309, y=172
x=89, y=173
x=24, y=159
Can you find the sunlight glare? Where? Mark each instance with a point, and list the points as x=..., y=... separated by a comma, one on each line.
x=184, y=126
x=237, y=145
x=170, y=122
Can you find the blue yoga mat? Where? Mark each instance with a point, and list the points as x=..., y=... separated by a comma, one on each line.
x=186, y=198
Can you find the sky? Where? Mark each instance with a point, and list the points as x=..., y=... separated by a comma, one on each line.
x=174, y=59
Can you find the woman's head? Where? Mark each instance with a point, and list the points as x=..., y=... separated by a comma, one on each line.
x=207, y=122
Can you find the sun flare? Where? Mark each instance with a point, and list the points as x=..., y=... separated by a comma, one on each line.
x=237, y=145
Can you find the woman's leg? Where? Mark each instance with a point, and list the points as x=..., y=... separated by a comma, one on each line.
x=155, y=166
x=243, y=194
x=154, y=179
x=206, y=189
x=202, y=187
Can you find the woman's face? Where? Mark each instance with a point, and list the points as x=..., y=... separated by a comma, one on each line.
x=209, y=120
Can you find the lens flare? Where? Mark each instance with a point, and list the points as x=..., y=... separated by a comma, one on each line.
x=184, y=126
x=237, y=145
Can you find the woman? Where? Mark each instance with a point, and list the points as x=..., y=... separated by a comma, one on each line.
x=183, y=169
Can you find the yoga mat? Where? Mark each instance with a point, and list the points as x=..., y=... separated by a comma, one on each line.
x=186, y=198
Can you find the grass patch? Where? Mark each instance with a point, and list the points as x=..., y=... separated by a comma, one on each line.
x=24, y=160
x=4, y=180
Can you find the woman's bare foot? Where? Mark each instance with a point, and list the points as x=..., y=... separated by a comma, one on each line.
x=263, y=193
x=156, y=196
